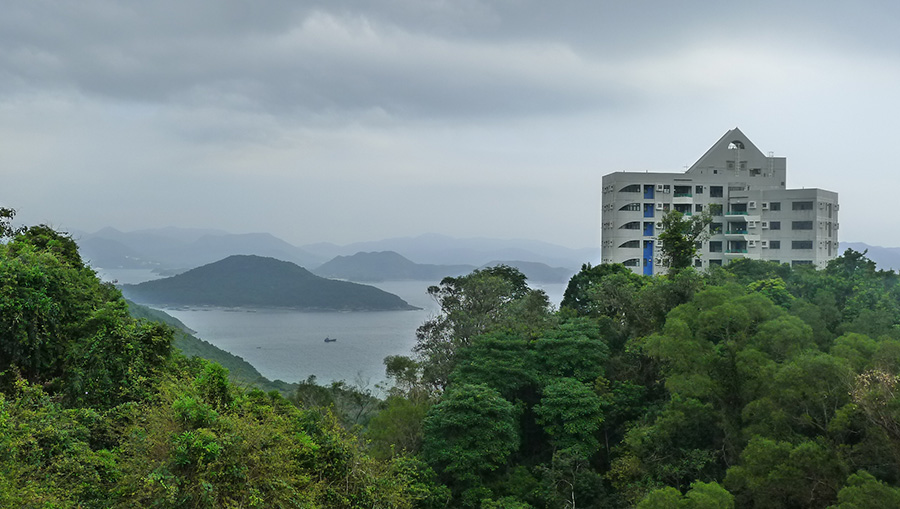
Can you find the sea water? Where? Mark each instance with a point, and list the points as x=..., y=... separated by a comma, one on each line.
x=290, y=345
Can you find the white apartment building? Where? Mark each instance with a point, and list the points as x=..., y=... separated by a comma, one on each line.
x=754, y=214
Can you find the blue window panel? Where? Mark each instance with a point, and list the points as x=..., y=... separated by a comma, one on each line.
x=648, y=192
x=648, y=229
x=648, y=210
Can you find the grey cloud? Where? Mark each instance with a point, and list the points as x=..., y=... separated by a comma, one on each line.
x=407, y=58
x=489, y=106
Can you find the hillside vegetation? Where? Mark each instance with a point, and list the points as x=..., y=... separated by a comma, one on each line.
x=240, y=371
x=97, y=411
x=754, y=385
x=255, y=281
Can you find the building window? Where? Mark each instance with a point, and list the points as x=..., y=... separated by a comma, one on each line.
x=801, y=244
x=632, y=262
x=801, y=262
x=715, y=262
x=715, y=246
x=631, y=243
x=715, y=228
x=775, y=206
x=698, y=208
x=632, y=225
x=802, y=205
x=801, y=225
x=632, y=207
x=715, y=192
x=698, y=189
x=774, y=225
x=683, y=208
x=698, y=262
x=633, y=188
x=738, y=208
x=774, y=244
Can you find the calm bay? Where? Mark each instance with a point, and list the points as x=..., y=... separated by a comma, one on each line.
x=290, y=345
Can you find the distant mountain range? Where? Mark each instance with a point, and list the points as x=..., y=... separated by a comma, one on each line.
x=391, y=266
x=250, y=281
x=179, y=249
x=885, y=258
x=538, y=272
x=386, y=266
x=443, y=250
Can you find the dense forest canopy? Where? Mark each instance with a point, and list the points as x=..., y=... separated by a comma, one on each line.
x=97, y=410
x=752, y=385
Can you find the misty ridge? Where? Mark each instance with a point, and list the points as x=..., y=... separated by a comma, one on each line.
x=171, y=250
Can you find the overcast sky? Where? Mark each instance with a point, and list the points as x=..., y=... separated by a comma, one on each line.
x=346, y=121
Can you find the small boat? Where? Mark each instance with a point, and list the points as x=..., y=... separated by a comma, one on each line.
x=330, y=340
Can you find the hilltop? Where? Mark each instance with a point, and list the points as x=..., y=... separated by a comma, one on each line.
x=392, y=266
x=386, y=266
x=255, y=281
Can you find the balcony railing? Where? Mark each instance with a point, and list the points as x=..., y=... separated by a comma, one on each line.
x=735, y=251
x=736, y=232
x=684, y=195
x=737, y=213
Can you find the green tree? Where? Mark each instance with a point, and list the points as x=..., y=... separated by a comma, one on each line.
x=6, y=229
x=501, y=361
x=581, y=297
x=571, y=415
x=776, y=474
x=61, y=327
x=864, y=491
x=487, y=300
x=397, y=428
x=679, y=238
x=701, y=496
x=469, y=434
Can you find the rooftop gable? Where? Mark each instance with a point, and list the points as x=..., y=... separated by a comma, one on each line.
x=733, y=146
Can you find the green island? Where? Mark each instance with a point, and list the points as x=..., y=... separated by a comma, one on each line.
x=250, y=281
x=750, y=385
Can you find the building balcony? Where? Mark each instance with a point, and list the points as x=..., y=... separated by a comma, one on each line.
x=745, y=216
x=734, y=236
x=741, y=253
